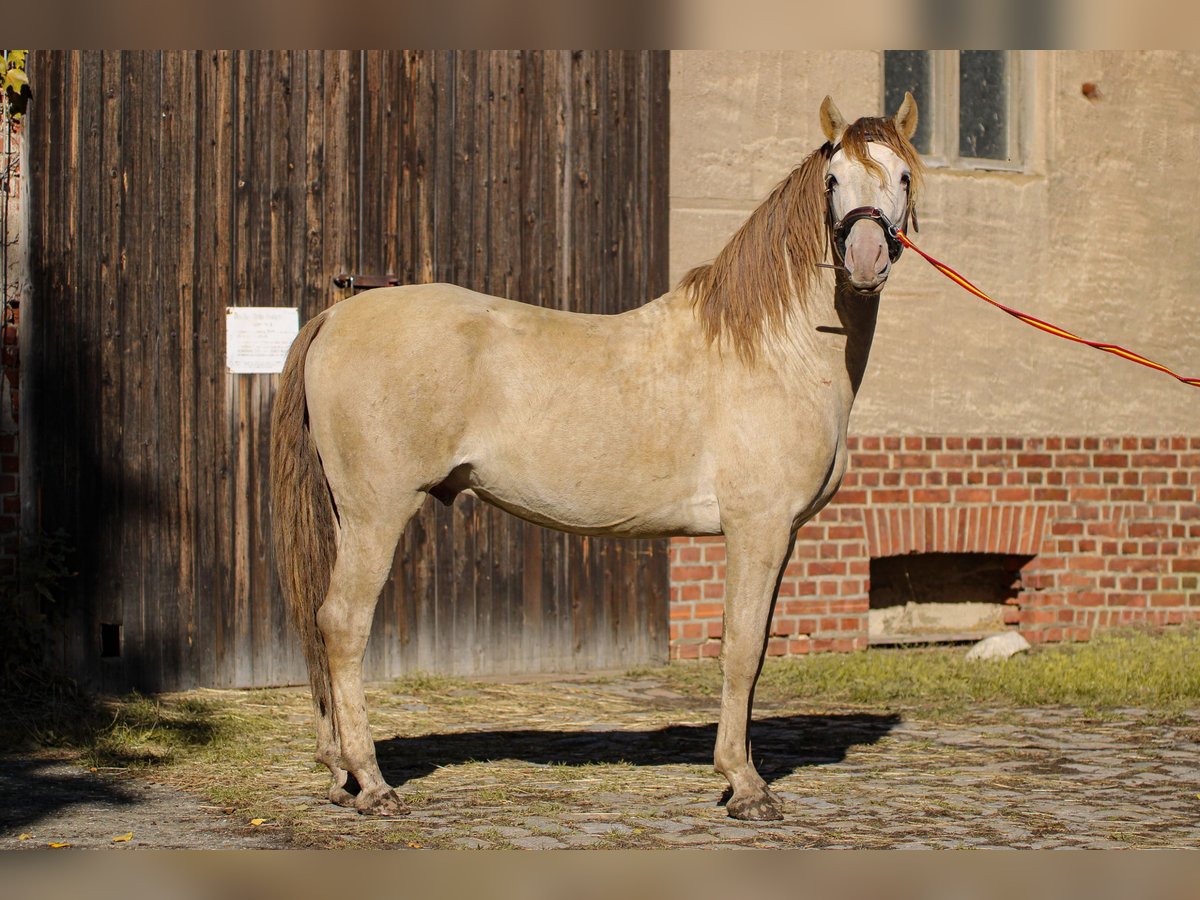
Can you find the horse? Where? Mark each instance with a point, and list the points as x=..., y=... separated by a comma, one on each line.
x=719, y=408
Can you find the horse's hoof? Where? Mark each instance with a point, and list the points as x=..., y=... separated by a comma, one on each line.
x=386, y=803
x=755, y=808
x=341, y=797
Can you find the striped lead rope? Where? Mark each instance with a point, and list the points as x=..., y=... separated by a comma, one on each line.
x=1038, y=323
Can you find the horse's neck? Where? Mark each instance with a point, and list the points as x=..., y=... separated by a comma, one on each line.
x=858, y=315
x=831, y=337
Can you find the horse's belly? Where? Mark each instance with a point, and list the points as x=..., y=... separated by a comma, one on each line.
x=697, y=514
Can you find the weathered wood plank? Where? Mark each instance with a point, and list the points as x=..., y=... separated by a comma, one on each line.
x=171, y=153
x=218, y=401
x=189, y=138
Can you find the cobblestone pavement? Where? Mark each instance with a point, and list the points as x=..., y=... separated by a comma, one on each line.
x=626, y=762
x=862, y=779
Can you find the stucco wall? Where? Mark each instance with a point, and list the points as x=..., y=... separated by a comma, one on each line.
x=1099, y=235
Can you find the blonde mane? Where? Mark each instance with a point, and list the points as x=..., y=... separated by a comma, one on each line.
x=746, y=292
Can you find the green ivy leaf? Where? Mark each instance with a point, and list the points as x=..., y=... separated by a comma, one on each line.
x=15, y=79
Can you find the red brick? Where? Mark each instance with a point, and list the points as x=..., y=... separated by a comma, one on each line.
x=952, y=460
x=1013, y=495
x=1050, y=495
x=931, y=495
x=1129, y=495
x=1156, y=460
x=870, y=460
x=993, y=461
x=692, y=573
x=1034, y=460
x=972, y=495
x=1072, y=460
x=1149, y=529
x=847, y=498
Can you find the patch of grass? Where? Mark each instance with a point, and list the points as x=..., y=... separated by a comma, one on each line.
x=1153, y=670
x=426, y=684
x=145, y=731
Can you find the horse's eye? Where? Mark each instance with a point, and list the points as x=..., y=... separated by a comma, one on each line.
x=905, y=179
x=830, y=182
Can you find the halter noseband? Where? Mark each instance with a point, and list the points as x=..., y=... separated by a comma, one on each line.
x=840, y=230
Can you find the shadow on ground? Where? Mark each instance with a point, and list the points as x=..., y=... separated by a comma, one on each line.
x=782, y=744
x=32, y=791
x=136, y=731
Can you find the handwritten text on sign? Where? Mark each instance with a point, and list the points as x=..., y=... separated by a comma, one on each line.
x=257, y=338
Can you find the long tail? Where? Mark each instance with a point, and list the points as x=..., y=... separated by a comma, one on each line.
x=302, y=514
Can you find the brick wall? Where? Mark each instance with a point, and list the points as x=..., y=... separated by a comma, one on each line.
x=1112, y=524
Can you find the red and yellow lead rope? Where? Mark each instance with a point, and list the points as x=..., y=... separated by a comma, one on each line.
x=1038, y=323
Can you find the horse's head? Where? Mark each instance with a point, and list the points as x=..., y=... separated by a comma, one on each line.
x=870, y=183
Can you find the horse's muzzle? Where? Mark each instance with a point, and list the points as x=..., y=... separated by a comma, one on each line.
x=866, y=260
x=866, y=251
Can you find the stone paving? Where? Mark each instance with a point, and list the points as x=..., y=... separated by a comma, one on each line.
x=626, y=762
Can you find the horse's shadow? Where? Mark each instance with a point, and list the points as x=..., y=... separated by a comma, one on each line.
x=781, y=745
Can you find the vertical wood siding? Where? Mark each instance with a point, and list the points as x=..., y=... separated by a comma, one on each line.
x=167, y=186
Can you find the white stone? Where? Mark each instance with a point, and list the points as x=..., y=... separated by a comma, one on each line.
x=999, y=646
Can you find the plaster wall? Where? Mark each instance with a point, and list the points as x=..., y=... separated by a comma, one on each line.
x=1096, y=234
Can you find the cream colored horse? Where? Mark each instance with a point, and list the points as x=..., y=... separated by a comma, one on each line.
x=719, y=408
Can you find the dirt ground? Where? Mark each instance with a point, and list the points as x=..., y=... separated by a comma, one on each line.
x=625, y=761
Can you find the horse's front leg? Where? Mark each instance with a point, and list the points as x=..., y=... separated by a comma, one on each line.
x=755, y=557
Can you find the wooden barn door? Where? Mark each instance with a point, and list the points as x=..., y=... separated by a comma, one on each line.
x=168, y=186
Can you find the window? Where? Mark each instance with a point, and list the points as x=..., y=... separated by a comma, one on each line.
x=968, y=102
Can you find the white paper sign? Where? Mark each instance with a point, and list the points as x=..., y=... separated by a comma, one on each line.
x=257, y=338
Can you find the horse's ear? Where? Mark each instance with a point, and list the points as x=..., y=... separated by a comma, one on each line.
x=906, y=116
x=832, y=122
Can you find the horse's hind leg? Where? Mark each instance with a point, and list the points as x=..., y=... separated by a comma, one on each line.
x=364, y=559
x=342, y=789
x=756, y=557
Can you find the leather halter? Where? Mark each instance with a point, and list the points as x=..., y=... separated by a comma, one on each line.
x=840, y=230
